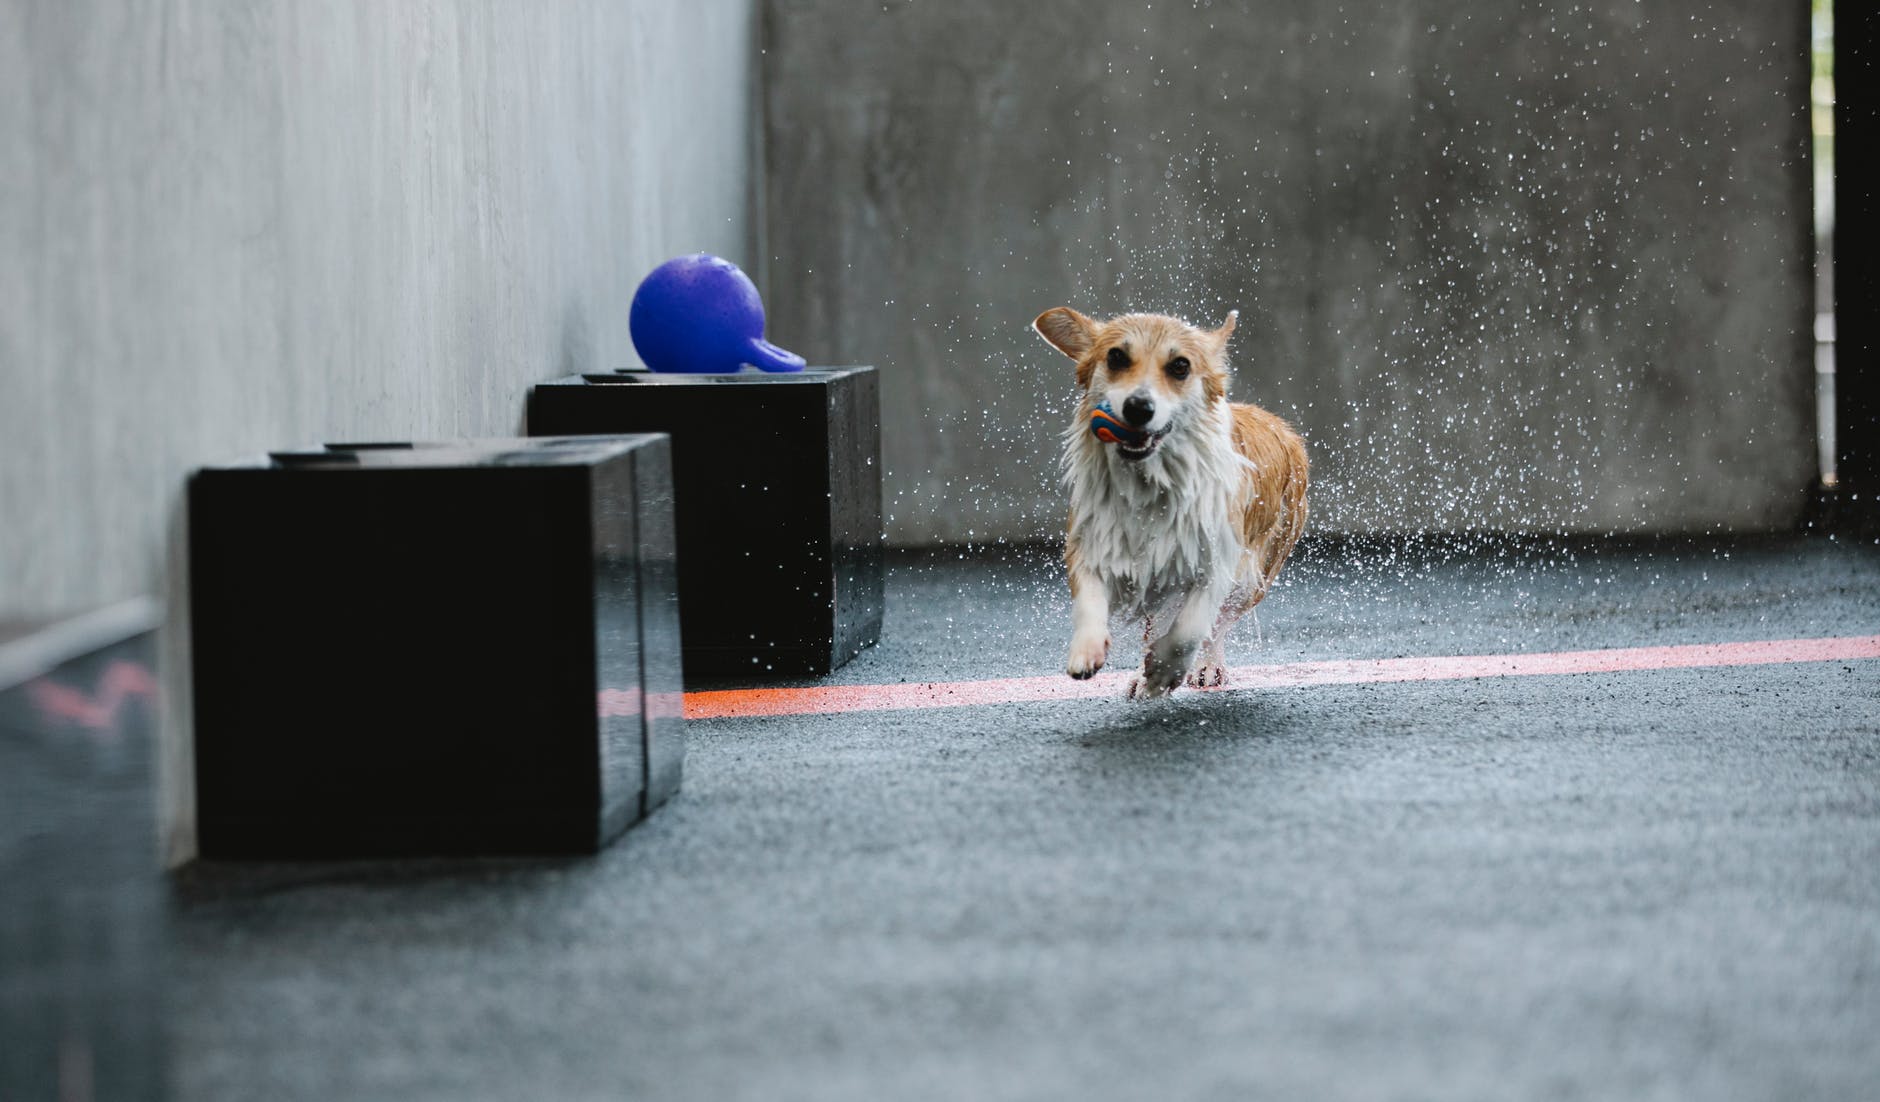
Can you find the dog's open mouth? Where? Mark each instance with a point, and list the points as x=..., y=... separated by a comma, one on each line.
x=1144, y=450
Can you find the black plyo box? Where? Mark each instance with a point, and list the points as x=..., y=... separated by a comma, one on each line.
x=436, y=649
x=778, y=481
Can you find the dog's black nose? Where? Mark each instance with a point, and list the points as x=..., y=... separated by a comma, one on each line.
x=1138, y=411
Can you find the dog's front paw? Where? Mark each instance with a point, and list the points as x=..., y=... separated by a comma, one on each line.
x=1164, y=665
x=1158, y=678
x=1144, y=687
x=1087, y=656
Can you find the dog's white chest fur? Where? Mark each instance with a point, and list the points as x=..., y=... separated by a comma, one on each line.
x=1155, y=528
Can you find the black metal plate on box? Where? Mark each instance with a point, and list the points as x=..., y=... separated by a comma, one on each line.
x=83, y=913
x=778, y=483
x=448, y=649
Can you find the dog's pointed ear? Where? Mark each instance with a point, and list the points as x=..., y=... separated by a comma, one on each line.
x=1219, y=336
x=1068, y=331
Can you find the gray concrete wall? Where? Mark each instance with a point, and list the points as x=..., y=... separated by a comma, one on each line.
x=1529, y=265
x=231, y=226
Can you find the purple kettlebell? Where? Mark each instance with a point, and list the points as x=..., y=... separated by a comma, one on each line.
x=701, y=314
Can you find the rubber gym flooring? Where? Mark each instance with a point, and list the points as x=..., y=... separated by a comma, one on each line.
x=1656, y=879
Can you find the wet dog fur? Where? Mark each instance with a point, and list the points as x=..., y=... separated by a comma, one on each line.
x=1187, y=529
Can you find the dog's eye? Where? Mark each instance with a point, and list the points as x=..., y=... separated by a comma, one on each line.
x=1119, y=358
x=1178, y=367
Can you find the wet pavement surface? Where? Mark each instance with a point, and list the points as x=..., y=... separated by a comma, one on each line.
x=1651, y=884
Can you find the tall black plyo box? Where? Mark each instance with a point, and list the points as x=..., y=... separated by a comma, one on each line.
x=435, y=649
x=778, y=478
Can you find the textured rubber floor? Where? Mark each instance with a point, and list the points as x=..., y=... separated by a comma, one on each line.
x=1649, y=883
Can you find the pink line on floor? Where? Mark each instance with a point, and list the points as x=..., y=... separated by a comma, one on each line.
x=831, y=699
x=120, y=683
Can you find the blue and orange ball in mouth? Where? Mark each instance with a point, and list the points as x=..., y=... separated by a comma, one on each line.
x=1106, y=426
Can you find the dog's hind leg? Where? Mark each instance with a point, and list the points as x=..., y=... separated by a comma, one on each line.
x=1210, y=671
